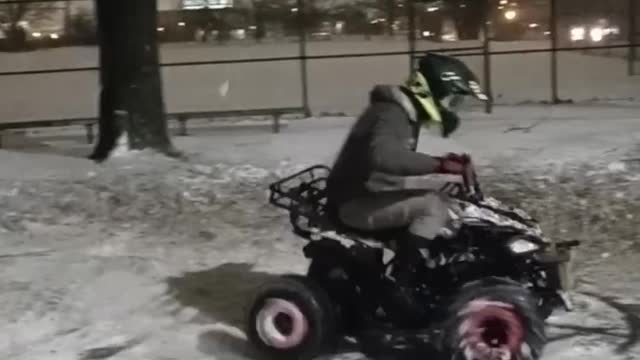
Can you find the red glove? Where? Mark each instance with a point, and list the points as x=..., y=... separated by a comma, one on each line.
x=461, y=158
x=451, y=166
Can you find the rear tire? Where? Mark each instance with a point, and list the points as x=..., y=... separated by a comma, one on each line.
x=292, y=319
x=495, y=317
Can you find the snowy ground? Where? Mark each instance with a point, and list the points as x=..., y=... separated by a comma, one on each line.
x=150, y=258
x=335, y=85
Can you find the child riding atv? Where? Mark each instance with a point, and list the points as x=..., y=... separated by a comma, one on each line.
x=365, y=189
x=484, y=291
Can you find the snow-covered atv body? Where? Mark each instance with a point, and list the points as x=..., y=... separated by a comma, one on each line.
x=483, y=293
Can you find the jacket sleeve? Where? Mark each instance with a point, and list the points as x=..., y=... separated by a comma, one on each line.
x=390, y=152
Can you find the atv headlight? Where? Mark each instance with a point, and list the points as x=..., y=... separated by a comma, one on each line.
x=522, y=246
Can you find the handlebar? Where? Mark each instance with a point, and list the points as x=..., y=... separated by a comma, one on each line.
x=469, y=176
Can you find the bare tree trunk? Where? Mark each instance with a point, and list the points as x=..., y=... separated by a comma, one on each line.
x=469, y=20
x=131, y=97
x=16, y=35
x=390, y=10
x=67, y=18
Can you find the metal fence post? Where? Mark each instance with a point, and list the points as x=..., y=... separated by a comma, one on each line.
x=553, y=20
x=303, y=56
x=486, y=51
x=412, y=32
x=631, y=59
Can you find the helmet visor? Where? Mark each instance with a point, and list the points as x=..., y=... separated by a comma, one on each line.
x=420, y=88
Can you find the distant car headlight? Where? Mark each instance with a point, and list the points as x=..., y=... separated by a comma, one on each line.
x=577, y=33
x=596, y=34
x=522, y=246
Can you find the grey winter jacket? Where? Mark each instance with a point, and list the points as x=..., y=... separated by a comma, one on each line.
x=380, y=149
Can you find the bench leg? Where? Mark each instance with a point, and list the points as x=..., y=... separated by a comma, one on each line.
x=90, y=135
x=276, y=123
x=183, y=126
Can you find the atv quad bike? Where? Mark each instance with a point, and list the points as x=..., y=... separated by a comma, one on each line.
x=484, y=293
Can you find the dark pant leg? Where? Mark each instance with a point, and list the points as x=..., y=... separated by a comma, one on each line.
x=424, y=214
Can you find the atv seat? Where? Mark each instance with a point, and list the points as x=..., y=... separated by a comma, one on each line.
x=382, y=236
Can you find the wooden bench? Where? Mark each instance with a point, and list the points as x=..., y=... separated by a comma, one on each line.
x=181, y=117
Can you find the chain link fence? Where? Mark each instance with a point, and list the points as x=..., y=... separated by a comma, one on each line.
x=325, y=55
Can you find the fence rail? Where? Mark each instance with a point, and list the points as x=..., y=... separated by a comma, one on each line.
x=415, y=54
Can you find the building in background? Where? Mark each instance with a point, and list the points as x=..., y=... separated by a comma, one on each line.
x=580, y=22
x=205, y=4
x=203, y=20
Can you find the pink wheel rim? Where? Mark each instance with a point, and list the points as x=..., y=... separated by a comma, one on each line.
x=491, y=331
x=281, y=324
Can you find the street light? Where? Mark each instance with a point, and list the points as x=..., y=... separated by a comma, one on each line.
x=510, y=14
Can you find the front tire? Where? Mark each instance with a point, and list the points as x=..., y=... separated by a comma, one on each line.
x=493, y=320
x=292, y=319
